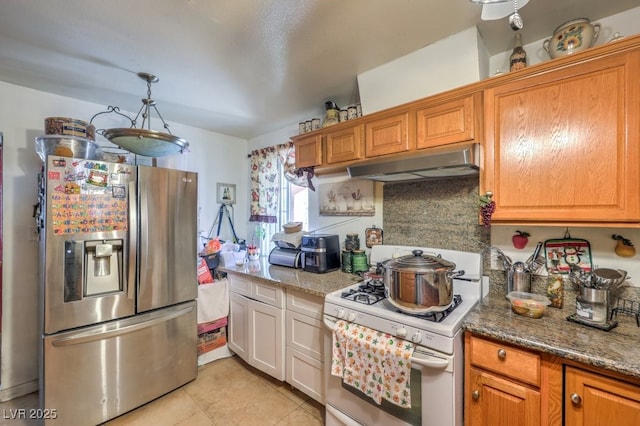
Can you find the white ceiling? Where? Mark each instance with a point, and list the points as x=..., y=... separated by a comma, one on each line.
x=240, y=67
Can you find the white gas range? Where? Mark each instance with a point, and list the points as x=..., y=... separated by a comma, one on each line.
x=438, y=355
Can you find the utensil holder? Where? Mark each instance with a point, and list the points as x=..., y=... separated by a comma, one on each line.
x=518, y=281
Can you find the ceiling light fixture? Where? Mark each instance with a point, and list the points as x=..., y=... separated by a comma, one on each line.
x=487, y=1
x=498, y=9
x=144, y=141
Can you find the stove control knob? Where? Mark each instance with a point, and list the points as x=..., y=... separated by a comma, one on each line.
x=341, y=313
x=351, y=317
x=417, y=337
x=401, y=332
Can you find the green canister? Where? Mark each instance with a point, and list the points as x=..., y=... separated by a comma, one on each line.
x=347, y=261
x=359, y=261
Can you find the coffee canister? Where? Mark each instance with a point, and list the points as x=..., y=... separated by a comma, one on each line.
x=359, y=261
x=352, y=112
x=347, y=265
x=352, y=242
x=344, y=115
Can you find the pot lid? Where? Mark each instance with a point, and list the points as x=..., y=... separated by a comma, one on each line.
x=421, y=262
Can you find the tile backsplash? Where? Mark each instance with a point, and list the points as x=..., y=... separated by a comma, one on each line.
x=439, y=213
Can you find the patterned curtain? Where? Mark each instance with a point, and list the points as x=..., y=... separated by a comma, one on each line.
x=265, y=182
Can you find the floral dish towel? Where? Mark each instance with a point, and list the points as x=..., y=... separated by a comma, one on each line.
x=377, y=364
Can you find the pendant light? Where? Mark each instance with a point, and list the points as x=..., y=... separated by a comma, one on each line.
x=144, y=141
x=498, y=9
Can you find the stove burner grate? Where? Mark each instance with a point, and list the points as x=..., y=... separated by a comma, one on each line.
x=368, y=292
x=437, y=316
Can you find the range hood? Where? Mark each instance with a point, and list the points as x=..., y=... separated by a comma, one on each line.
x=430, y=164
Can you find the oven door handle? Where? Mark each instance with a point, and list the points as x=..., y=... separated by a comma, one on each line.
x=329, y=323
x=339, y=415
x=429, y=361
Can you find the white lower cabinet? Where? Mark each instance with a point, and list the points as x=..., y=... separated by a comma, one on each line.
x=259, y=320
x=305, y=342
x=238, y=336
x=305, y=374
x=256, y=328
x=266, y=339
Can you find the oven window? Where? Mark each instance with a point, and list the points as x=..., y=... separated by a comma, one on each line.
x=411, y=415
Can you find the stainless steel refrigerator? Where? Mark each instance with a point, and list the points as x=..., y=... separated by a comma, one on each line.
x=118, y=286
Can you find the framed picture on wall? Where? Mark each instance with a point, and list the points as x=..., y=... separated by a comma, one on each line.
x=350, y=198
x=226, y=193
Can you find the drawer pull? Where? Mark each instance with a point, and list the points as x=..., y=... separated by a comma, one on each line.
x=576, y=399
x=502, y=354
x=475, y=395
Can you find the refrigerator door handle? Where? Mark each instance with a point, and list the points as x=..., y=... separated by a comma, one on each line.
x=133, y=240
x=94, y=335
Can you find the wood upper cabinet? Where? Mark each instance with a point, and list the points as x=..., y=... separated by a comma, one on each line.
x=453, y=121
x=563, y=145
x=308, y=150
x=344, y=144
x=388, y=134
x=591, y=399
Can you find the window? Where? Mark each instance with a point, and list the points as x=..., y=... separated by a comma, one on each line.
x=293, y=206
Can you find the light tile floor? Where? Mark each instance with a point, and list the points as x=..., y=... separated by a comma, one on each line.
x=226, y=392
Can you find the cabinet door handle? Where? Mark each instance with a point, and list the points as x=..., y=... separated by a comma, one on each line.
x=576, y=399
x=502, y=354
x=475, y=395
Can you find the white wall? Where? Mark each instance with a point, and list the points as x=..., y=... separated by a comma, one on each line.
x=343, y=225
x=216, y=158
x=602, y=245
x=446, y=64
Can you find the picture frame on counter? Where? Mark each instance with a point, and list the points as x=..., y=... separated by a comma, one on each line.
x=354, y=197
x=226, y=193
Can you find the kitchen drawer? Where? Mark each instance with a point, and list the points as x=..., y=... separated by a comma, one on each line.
x=305, y=334
x=306, y=304
x=268, y=294
x=239, y=285
x=509, y=361
x=305, y=374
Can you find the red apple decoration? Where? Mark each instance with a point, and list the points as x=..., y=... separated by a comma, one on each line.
x=520, y=240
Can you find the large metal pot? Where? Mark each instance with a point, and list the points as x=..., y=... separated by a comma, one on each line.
x=420, y=283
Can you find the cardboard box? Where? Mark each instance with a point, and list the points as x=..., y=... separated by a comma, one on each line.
x=213, y=325
x=212, y=340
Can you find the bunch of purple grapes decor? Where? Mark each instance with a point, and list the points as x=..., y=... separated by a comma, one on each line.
x=487, y=207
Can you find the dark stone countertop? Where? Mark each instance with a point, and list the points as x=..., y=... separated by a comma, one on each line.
x=291, y=278
x=615, y=350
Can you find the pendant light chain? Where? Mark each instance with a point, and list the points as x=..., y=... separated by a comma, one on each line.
x=145, y=110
